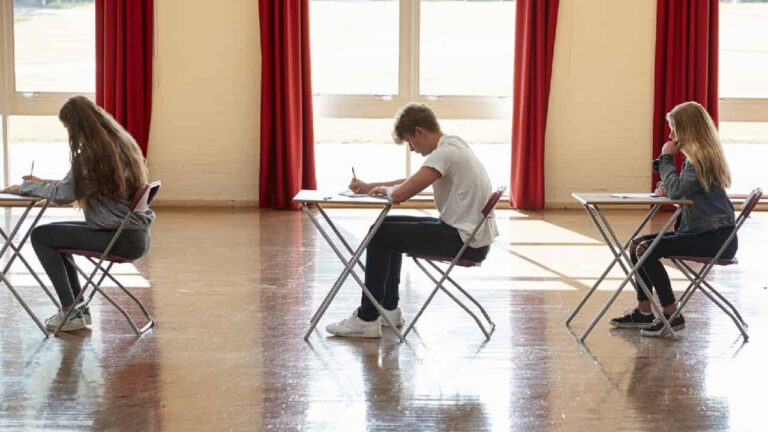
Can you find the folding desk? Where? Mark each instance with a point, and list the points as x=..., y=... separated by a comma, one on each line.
x=26, y=202
x=305, y=198
x=592, y=203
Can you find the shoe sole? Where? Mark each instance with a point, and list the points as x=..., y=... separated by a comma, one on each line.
x=354, y=335
x=66, y=328
x=398, y=325
x=662, y=332
x=638, y=326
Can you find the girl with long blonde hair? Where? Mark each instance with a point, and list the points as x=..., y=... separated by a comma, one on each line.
x=107, y=168
x=703, y=227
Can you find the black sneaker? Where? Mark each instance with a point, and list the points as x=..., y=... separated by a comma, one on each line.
x=657, y=328
x=633, y=319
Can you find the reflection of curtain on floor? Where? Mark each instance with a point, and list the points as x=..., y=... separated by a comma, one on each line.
x=287, y=136
x=686, y=62
x=124, y=34
x=536, y=22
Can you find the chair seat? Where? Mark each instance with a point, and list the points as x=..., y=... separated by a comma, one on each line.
x=91, y=254
x=463, y=262
x=705, y=260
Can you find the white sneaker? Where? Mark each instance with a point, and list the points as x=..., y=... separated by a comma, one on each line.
x=395, y=315
x=355, y=327
x=86, y=311
x=73, y=321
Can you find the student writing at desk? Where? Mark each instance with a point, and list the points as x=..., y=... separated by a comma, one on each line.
x=461, y=187
x=704, y=226
x=107, y=170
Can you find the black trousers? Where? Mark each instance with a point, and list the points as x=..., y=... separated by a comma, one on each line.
x=653, y=273
x=406, y=234
x=60, y=267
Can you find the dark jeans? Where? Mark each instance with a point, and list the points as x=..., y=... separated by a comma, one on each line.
x=653, y=273
x=405, y=234
x=77, y=235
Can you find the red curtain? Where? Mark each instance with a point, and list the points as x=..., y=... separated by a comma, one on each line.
x=686, y=62
x=287, y=135
x=536, y=22
x=124, y=48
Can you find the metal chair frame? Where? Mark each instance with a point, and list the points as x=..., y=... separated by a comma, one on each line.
x=443, y=275
x=698, y=279
x=141, y=201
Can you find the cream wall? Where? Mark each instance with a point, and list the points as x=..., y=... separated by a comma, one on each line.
x=204, y=138
x=205, y=127
x=601, y=100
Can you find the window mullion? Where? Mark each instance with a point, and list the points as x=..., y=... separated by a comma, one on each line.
x=409, y=58
x=6, y=78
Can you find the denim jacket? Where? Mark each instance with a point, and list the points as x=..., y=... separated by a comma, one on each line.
x=710, y=210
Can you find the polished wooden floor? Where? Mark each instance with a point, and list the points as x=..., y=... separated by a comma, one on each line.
x=233, y=290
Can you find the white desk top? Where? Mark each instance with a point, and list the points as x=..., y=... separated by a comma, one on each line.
x=607, y=198
x=314, y=196
x=11, y=200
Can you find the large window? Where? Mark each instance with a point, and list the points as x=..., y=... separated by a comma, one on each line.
x=47, y=54
x=744, y=91
x=369, y=58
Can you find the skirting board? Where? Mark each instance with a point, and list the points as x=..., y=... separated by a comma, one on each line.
x=204, y=203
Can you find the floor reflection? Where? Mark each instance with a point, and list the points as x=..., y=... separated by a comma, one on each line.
x=232, y=305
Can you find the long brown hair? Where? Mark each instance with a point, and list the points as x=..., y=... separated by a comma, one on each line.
x=106, y=161
x=700, y=142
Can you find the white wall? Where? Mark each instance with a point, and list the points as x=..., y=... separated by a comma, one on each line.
x=601, y=100
x=204, y=138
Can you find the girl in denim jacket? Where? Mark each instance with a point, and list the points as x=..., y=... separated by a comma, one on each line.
x=704, y=226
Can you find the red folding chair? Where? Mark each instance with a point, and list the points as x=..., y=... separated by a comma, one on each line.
x=141, y=202
x=698, y=278
x=487, y=212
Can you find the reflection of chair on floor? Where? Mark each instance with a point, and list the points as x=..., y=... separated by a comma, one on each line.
x=698, y=278
x=487, y=212
x=141, y=202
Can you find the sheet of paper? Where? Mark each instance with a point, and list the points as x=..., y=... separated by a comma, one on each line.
x=348, y=193
x=634, y=195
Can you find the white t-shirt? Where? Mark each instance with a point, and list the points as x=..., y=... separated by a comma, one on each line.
x=463, y=189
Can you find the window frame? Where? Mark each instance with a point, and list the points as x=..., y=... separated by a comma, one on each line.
x=385, y=106
x=743, y=110
x=16, y=103
x=731, y=109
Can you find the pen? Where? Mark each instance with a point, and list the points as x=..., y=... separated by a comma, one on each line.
x=353, y=173
x=32, y=169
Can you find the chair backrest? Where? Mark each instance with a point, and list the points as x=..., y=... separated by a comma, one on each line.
x=750, y=202
x=144, y=196
x=493, y=200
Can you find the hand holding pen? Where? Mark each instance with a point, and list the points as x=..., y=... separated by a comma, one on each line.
x=357, y=185
x=31, y=177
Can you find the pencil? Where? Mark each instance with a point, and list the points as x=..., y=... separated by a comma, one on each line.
x=32, y=169
x=353, y=173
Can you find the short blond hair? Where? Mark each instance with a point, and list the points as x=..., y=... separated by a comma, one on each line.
x=410, y=117
x=699, y=140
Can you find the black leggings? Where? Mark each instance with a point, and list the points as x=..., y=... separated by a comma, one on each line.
x=77, y=235
x=406, y=234
x=654, y=275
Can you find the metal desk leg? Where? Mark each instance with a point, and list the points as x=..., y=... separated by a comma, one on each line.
x=17, y=253
x=8, y=244
x=340, y=279
x=349, y=269
x=616, y=255
x=343, y=241
x=635, y=269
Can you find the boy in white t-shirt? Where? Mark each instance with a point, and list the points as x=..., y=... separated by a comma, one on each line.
x=461, y=187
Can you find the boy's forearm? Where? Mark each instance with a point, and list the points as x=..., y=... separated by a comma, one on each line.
x=389, y=183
